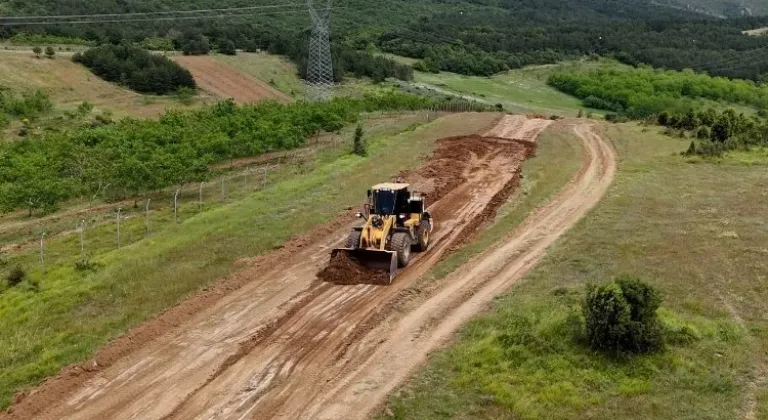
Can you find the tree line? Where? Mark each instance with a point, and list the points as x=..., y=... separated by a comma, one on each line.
x=136, y=68
x=641, y=92
x=683, y=101
x=134, y=156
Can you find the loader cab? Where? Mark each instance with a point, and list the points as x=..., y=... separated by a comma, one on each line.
x=390, y=199
x=395, y=199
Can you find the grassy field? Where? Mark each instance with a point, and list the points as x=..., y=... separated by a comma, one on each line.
x=695, y=231
x=282, y=74
x=522, y=90
x=61, y=316
x=273, y=69
x=70, y=84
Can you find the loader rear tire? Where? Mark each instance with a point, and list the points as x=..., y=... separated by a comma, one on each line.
x=353, y=240
x=422, y=236
x=401, y=243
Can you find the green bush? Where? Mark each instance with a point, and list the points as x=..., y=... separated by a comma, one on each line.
x=620, y=317
x=85, y=263
x=359, y=142
x=195, y=44
x=703, y=133
x=15, y=276
x=227, y=47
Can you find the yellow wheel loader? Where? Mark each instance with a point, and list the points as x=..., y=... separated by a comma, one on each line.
x=396, y=223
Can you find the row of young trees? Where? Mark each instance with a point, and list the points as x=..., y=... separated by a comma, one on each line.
x=136, y=68
x=135, y=156
x=674, y=100
x=642, y=92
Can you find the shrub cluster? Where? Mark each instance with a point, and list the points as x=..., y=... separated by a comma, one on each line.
x=136, y=68
x=716, y=132
x=621, y=317
x=15, y=276
x=27, y=105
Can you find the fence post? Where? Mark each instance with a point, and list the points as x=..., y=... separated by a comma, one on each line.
x=200, y=196
x=176, y=206
x=42, y=252
x=146, y=217
x=266, y=168
x=223, y=193
x=82, y=237
x=119, y=209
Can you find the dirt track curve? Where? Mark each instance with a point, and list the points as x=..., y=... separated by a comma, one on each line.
x=287, y=346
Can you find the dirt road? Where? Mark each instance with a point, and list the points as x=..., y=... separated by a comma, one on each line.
x=224, y=81
x=287, y=346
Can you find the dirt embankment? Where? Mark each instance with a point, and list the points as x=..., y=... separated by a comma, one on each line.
x=285, y=345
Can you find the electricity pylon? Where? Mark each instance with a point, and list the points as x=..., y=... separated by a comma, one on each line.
x=320, y=64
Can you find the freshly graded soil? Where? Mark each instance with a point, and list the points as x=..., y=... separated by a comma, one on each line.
x=345, y=269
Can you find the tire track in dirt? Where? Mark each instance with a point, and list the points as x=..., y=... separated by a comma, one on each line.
x=431, y=321
x=273, y=348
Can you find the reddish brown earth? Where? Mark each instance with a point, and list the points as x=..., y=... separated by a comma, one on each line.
x=224, y=81
x=453, y=163
x=286, y=345
x=344, y=269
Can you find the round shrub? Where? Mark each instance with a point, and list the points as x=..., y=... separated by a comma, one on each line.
x=16, y=276
x=621, y=317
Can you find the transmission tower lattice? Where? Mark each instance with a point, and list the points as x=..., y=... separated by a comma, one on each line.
x=320, y=64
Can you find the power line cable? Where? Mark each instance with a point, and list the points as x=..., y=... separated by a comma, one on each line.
x=163, y=12
x=155, y=19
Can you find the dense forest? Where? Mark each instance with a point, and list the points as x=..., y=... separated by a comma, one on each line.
x=478, y=37
x=545, y=31
x=134, y=155
x=136, y=68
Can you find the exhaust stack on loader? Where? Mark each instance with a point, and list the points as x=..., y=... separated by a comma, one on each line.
x=396, y=222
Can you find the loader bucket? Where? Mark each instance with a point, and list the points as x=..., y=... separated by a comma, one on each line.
x=375, y=266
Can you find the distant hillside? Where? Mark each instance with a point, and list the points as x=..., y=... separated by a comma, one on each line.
x=478, y=37
x=727, y=8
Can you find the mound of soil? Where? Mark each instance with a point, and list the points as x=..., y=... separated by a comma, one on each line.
x=343, y=269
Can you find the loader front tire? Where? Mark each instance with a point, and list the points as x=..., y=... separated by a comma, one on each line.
x=401, y=243
x=353, y=240
x=422, y=236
